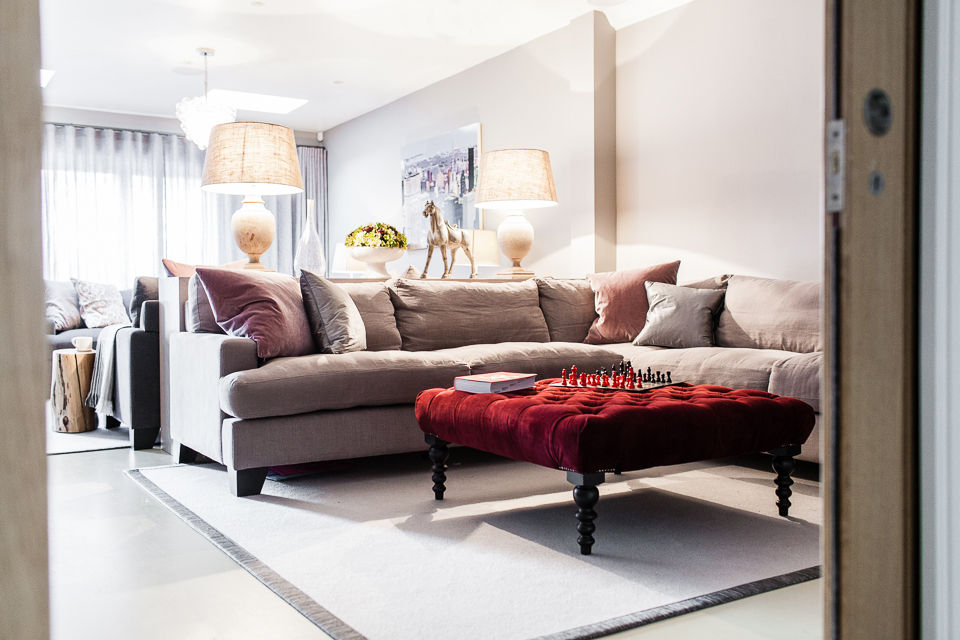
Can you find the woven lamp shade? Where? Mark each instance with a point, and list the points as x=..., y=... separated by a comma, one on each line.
x=247, y=158
x=516, y=179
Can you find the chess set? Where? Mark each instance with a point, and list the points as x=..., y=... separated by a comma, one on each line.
x=621, y=377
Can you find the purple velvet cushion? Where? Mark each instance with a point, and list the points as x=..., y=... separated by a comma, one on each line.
x=264, y=306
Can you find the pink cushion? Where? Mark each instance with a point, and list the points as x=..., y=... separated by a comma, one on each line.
x=184, y=270
x=264, y=306
x=621, y=301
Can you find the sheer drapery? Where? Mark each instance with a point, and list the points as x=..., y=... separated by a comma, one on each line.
x=115, y=202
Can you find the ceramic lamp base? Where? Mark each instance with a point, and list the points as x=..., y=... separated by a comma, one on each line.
x=515, y=237
x=254, y=229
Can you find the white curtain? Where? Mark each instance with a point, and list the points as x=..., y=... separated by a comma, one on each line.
x=115, y=202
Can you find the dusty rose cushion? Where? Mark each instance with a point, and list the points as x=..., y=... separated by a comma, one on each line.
x=183, y=270
x=264, y=306
x=621, y=301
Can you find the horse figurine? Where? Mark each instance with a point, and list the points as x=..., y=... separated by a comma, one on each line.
x=446, y=236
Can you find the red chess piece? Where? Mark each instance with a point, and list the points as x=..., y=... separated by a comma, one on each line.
x=629, y=383
x=563, y=376
x=606, y=380
x=583, y=379
x=573, y=371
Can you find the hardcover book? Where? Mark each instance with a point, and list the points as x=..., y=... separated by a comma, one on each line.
x=499, y=382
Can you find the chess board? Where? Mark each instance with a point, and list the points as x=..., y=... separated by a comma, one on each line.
x=645, y=386
x=621, y=377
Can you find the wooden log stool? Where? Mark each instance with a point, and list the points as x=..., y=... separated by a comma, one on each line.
x=69, y=386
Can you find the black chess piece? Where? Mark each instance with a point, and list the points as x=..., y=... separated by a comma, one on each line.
x=669, y=381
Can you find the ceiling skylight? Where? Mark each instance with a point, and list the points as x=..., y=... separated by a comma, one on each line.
x=255, y=101
x=46, y=75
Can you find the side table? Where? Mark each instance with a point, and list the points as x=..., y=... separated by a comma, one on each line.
x=69, y=386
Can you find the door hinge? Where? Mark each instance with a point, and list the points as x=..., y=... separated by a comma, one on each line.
x=836, y=162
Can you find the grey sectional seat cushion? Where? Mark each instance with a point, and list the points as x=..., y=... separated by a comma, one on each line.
x=441, y=315
x=545, y=360
x=568, y=308
x=288, y=386
x=725, y=366
x=763, y=313
x=800, y=375
x=63, y=339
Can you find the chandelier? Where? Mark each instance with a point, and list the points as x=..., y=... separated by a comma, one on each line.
x=198, y=116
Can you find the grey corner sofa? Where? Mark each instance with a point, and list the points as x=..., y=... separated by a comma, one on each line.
x=249, y=414
x=136, y=381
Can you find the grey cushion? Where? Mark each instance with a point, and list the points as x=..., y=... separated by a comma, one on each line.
x=61, y=306
x=439, y=315
x=679, y=316
x=770, y=314
x=376, y=309
x=287, y=386
x=545, y=360
x=101, y=304
x=144, y=288
x=568, y=308
x=198, y=314
x=799, y=376
x=735, y=368
x=335, y=322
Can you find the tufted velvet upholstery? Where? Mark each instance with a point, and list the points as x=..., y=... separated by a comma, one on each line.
x=589, y=431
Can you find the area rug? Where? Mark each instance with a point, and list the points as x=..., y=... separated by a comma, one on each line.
x=366, y=552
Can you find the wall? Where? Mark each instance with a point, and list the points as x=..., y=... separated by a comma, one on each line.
x=24, y=608
x=719, y=139
x=543, y=94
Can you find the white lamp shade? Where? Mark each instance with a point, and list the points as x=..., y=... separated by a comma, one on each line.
x=516, y=179
x=252, y=158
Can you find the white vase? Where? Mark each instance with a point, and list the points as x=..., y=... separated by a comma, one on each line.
x=309, y=256
x=376, y=259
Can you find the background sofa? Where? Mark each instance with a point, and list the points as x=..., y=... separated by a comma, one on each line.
x=249, y=414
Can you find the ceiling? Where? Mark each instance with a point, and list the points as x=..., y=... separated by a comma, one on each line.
x=347, y=57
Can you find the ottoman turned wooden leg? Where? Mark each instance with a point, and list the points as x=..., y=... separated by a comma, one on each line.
x=784, y=464
x=585, y=495
x=438, y=456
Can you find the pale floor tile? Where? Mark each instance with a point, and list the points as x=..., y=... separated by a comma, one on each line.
x=124, y=566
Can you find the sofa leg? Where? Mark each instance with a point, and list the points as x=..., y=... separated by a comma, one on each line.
x=143, y=438
x=784, y=464
x=585, y=495
x=438, y=456
x=182, y=454
x=247, y=482
x=110, y=422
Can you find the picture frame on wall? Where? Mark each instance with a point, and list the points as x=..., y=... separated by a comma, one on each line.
x=443, y=169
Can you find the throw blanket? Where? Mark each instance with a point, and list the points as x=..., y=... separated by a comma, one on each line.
x=104, y=370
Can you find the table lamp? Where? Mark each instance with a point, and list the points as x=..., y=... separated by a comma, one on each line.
x=252, y=159
x=516, y=179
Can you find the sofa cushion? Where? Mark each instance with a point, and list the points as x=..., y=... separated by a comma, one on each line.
x=567, y=307
x=335, y=322
x=545, y=360
x=288, y=386
x=61, y=306
x=100, y=304
x=184, y=270
x=763, y=313
x=679, y=316
x=799, y=376
x=376, y=309
x=263, y=306
x=144, y=288
x=63, y=339
x=727, y=367
x=620, y=300
x=716, y=282
x=440, y=315
x=198, y=314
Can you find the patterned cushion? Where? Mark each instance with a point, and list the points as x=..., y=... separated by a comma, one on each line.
x=61, y=305
x=100, y=304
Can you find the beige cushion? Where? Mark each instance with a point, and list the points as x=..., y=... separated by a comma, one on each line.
x=770, y=314
x=567, y=307
x=440, y=315
x=288, y=386
x=545, y=360
x=735, y=368
x=716, y=282
x=376, y=310
x=799, y=376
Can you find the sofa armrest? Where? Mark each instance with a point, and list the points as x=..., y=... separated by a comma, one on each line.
x=136, y=385
x=197, y=362
x=150, y=316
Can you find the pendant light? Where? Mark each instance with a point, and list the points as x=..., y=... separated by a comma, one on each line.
x=198, y=116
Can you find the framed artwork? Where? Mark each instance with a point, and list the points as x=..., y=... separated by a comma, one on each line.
x=445, y=170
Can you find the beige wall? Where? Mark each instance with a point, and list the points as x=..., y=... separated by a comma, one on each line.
x=544, y=94
x=23, y=505
x=719, y=143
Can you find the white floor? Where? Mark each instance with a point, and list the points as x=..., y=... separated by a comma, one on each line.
x=124, y=566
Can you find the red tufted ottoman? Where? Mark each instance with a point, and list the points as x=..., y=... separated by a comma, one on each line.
x=590, y=432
